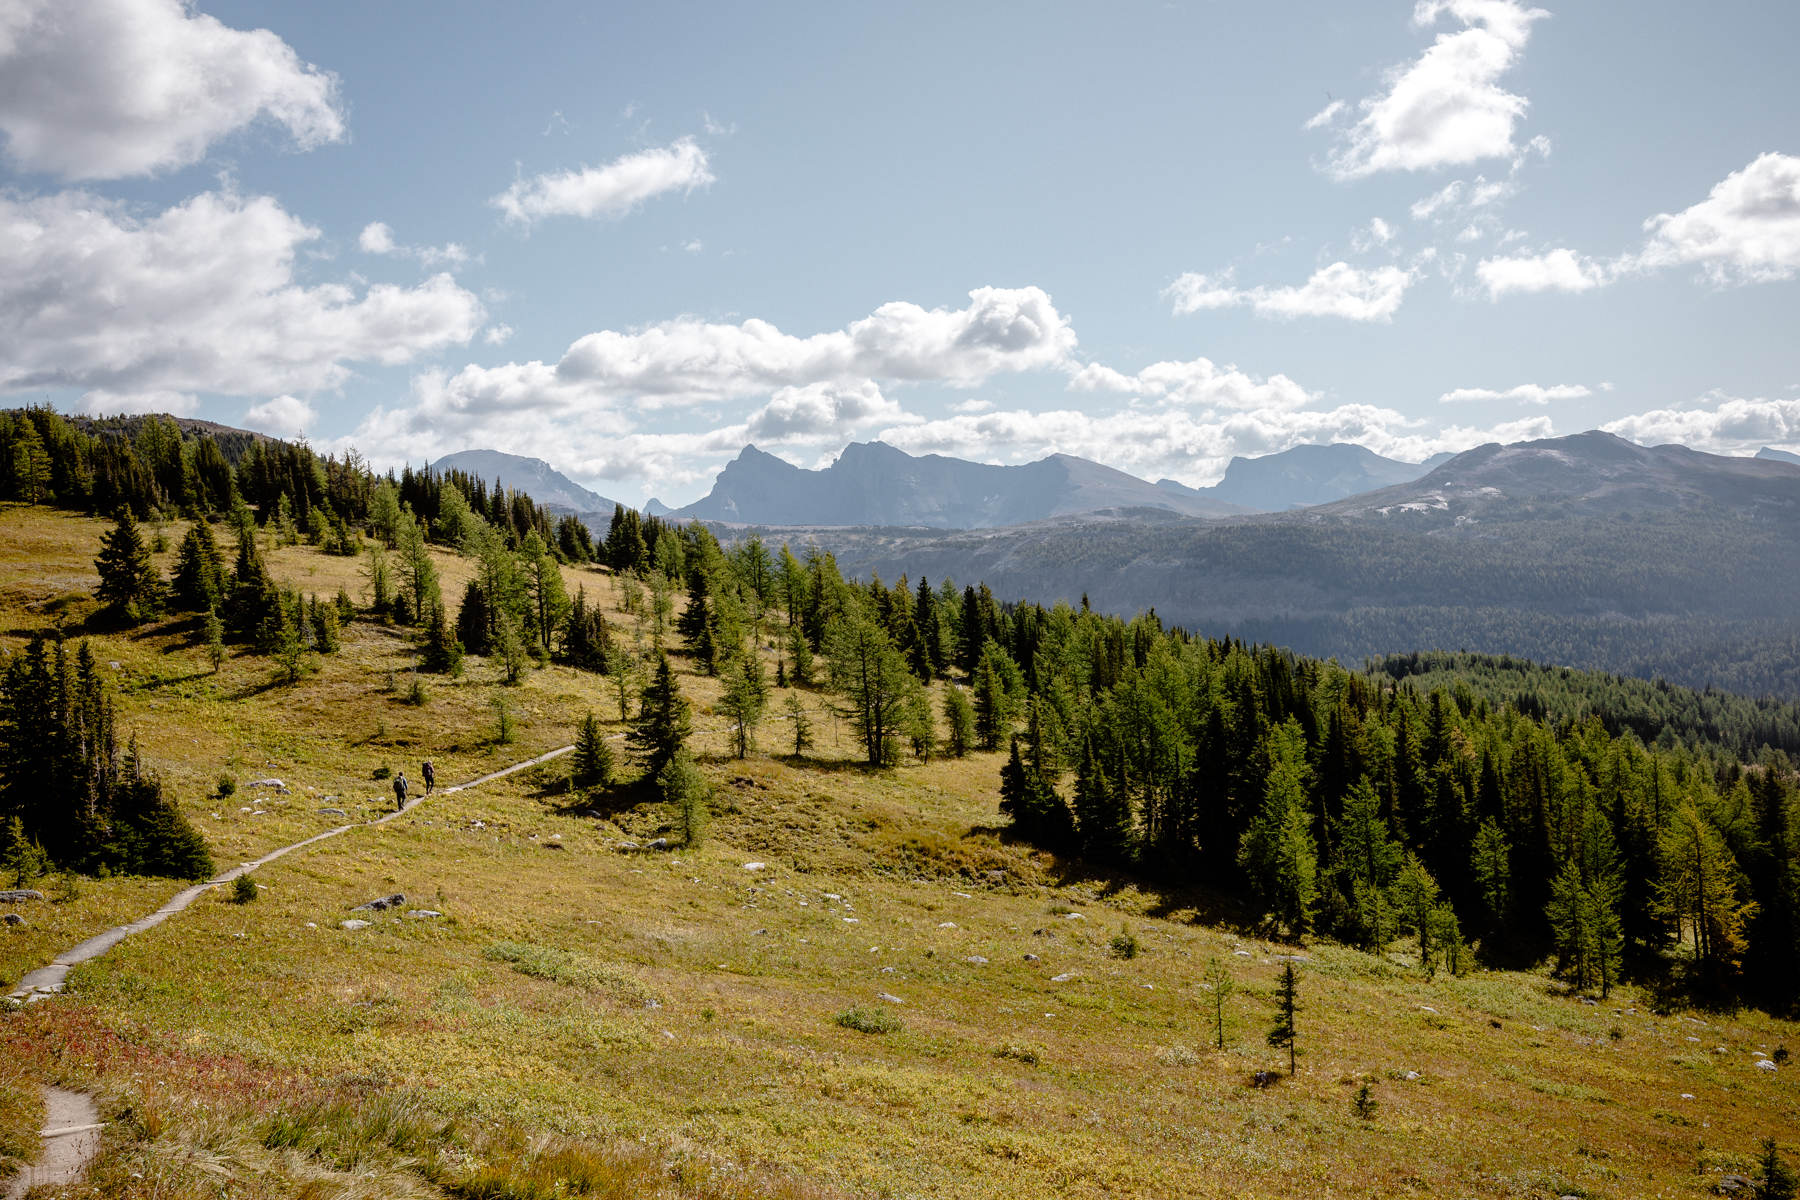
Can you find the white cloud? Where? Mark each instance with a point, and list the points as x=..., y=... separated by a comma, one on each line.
x=201, y=297
x=497, y=334
x=1325, y=116
x=377, y=237
x=821, y=412
x=607, y=192
x=1747, y=230
x=107, y=89
x=280, y=416
x=1559, y=270
x=693, y=246
x=1446, y=108
x=1524, y=393
x=1197, y=384
x=1720, y=423
x=104, y=403
x=1339, y=290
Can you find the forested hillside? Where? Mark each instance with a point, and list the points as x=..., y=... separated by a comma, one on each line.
x=1322, y=800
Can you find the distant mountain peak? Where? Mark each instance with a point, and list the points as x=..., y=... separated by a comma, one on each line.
x=1771, y=454
x=533, y=476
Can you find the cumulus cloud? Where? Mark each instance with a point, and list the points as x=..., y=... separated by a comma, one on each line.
x=821, y=412
x=1524, y=393
x=1339, y=290
x=1747, y=230
x=1720, y=423
x=607, y=192
x=1446, y=108
x=377, y=237
x=1197, y=384
x=108, y=89
x=280, y=416
x=1560, y=270
x=201, y=297
x=496, y=335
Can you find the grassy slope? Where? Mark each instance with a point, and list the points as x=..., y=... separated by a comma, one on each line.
x=687, y=1003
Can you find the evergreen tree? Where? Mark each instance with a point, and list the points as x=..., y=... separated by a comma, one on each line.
x=874, y=681
x=1102, y=811
x=21, y=859
x=199, y=583
x=443, y=652
x=591, y=763
x=663, y=722
x=1283, y=1034
x=746, y=696
x=1699, y=891
x=586, y=643
x=992, y=705
x=1032, y=804
x=684, y=789
x=1776, y=1180
x=128, y=581
x=1277, y=851
x=1371, y=860
x=959, y=719
x=213, y=631
x=801, y=655
x=509, y=648
x=796, y=711
x=474, y=620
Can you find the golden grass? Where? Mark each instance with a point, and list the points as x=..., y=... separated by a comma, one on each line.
x=578, y=1003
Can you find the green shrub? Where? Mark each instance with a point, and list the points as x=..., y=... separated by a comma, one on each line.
x=244, y=890
x=1124, y=944
x=869, y=1020
x=227, y=786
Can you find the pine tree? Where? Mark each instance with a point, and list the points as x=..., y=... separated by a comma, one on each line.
x=746, y=697
x=684, y=789
x=1031, y=802
x=128, y=581
x=959, y=718
x=21, y=859
x=509, y=648
x=1699, y=889
x=199, y=583
x=443, y=653
x=992, y=705
x=1777, y=1180
x=1371, y=860
x=591, y=763
x=796, y=711
x=213, y=631
x=473, y=620
x=1102, y=811
x=800, y=652
x=1283, y=1034
x=663, y=721
x=1277, y=851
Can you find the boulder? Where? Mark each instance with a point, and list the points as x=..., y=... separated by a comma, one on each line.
x=353, y=924
x=20, y=896
x=274, y=785
x=381, y=903
x=1764, y=1064
x=658, y=844
x=12, y=919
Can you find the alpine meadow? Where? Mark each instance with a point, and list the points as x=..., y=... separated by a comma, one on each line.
x=956, y=602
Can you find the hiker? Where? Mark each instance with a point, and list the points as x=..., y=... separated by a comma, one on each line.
x=400, y=792
x=430, y=775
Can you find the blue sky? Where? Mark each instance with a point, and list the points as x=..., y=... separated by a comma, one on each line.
x=1156, y=235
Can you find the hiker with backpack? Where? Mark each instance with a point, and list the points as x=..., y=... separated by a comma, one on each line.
x=429, y=774
x=400, y=792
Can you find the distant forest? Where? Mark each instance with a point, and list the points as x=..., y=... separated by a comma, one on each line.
x=1469, y=809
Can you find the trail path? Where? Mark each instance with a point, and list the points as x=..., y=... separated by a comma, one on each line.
x=71, y=1138
x=48, y=980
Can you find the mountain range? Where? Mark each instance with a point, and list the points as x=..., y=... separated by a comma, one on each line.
x=875, y=484
x=544, y=483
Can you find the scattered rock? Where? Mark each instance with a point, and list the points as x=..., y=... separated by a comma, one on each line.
x=333, y=812
x=382, y=902
x=889, y=997
x=831, y=895
x=946, y=924
x=1410, y=1076
x=274, y=785
x=754, y=866
x=962, y=895
x=1031, y=958
x=1426, y=1008
x=424, y=914
x=1762, y=1064
x=1303, y=958
x=1241, y=953
x=12, y=919
x=658, y=844
x=976, y=959
x=353, y=923
x=1265, y=1079
x=850, y=920
x=759, y=933
x=1590, y=1001
x=1074, y=917
x=1687, y=1095
x=1736, y=1185
x=1063, y=978
x=628, y=847
x=888, y=970
x=20, y=896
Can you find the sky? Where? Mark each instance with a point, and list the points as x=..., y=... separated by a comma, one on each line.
x=629, y=240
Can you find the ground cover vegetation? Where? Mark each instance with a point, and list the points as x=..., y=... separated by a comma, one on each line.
x=1081, y=850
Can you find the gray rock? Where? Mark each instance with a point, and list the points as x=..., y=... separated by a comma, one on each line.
x=1063, y=978
x=353, y=924
x=658, y=844
x=333, y=812
x=628, y=847
x=1410, y=1076
x=889, y=997
x=1736, y=1185
x=382, y=902
x=20, y=896
x=13, y=919
x=995, y=876
x=424, y=914
x=977, y=960
x=274, y=785
x=1265, y=1079
x=1031, y=958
